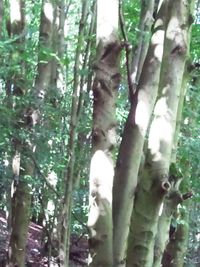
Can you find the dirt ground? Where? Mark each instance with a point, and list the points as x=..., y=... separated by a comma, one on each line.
x=36, y=256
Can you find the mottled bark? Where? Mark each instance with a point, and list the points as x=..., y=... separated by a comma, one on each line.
x=30, y=118
x=20, y=191
x=21, y=202
x=58, y=79
x=131, y=148
x=174, y=197
x=154, y=184
x=170, y=204
x=143, y=37
x=175, y=252
x=105, y=89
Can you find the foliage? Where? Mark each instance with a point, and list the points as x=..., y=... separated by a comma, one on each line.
x=51, y=135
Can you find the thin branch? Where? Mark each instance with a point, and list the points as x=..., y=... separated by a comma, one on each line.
x=44, y=177
x=78, y=220
x=127, y=47
x=187, y=195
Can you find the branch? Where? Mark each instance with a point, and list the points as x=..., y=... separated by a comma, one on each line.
x=44, y=177
x=187, y=195
x=83, y=224
x=127, y=47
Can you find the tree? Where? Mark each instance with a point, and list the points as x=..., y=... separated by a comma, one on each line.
x=105, y=87
x=154, y=183
x=67, y=115
x=131, y=148
x=69, y=178
x=21, y=164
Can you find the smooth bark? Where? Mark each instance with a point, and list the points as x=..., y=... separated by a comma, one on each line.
x=154, y=183
x=174, y=197
x=131, y=148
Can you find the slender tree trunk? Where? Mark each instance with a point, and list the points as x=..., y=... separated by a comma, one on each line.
x=131, y=148
x=58, y=81
x=175, y=252
x=105, y=89
x=56, y=89
x=21, y=197
x=174, y=197
x=145, y=24
x=69, y=178
x=21, y=202
x=85, y=81
x=44, y=67
x=20, y=194
x=43, y=76
x=154, y=183
x=169, y=208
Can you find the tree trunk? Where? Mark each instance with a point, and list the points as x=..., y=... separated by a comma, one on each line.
x=174, y=197
x=20, y=193
x=58, y=81
x=169, y=208
x=154, y=184
x=44, y=67
x=21, y=198
x=43, y=76
x=69, y=178
x=145, y=24
x=20, y=220
x=105, y=89
x=175, y=252
x=131, y=148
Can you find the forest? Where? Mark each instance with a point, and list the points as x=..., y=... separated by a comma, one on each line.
x=99, y=133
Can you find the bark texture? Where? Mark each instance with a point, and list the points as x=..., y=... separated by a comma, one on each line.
x=21, y=202
x=20, y=191
x=145, y=24
x=154, y=184
x=174, y=197
x=175, y=251
x=131, y=148
x=169, y=208
x=105, y=89
x=21, y=198
x=44, y=59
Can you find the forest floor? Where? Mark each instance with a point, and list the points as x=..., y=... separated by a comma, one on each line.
x=36, y=254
